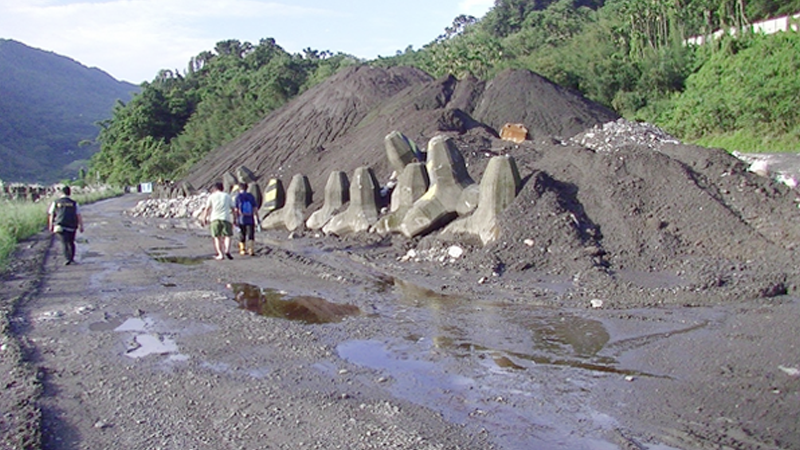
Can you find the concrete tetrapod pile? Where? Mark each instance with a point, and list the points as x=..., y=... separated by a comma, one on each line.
x=292, y=215
x=499, y=187
x=427, y=196
x=446, y=195
x=337, y=194
x=363, y=211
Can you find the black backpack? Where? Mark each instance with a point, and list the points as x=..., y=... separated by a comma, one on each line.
x=66, y=213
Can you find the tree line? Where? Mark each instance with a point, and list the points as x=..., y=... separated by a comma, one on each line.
x=181, y=115
x=737, y=92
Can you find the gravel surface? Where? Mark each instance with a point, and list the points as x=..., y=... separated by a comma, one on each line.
x=143, y=344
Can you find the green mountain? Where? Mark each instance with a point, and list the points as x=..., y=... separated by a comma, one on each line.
x=48, y=105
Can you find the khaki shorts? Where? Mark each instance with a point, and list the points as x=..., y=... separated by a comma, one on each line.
x=221, y=228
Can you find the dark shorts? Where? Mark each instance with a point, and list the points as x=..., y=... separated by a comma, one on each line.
x=221, y=228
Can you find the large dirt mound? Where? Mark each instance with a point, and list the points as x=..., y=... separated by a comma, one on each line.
x=611, y=208
x=340, y=124
x=296, y=138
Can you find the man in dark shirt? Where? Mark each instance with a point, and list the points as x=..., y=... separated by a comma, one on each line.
x=65, y=219
x=246, y=213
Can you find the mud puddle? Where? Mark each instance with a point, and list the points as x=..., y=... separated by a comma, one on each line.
x=525, y=374
x=273, y=303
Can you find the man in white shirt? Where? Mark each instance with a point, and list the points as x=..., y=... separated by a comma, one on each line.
x=219, y=213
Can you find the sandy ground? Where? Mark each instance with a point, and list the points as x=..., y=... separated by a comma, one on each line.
x=143, y=345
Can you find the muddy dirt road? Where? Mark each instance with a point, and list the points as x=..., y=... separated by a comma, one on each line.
x=143, y=344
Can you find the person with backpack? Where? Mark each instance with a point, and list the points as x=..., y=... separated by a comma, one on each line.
x=246, y=215
x=65, y=219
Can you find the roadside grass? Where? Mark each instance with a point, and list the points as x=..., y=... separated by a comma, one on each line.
x=20, y=220
x=751, y=142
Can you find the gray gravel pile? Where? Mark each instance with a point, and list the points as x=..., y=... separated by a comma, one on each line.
x=173, y=208
x=610, y=136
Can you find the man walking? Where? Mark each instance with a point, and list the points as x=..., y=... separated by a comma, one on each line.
x=246, y=213
x=64, y=219
x=219, y=213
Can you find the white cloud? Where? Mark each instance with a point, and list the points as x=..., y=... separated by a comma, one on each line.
x=133, y=39
x=477, y=8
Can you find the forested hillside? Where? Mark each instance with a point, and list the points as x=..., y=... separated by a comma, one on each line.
x=179, y=117
x=626, y=54
x=630, y=55
x=48, y=105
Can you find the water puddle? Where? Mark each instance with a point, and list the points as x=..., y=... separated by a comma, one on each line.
x=148, y=344
x=521, y=411
x=135, y=324
x=183, y=260
x=521, y=371
x=145, y=341
x=273, y=303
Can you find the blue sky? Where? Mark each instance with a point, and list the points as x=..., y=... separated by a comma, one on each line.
x=133, y=39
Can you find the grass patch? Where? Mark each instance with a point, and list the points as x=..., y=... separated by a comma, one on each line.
x=749, y=141
x=20, y=220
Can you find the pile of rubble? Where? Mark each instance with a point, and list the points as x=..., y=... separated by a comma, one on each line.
x=173, y=208
x=612, y=135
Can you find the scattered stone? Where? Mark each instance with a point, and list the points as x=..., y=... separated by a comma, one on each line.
x=173, y=208
x=610, y=136
x=455, y=251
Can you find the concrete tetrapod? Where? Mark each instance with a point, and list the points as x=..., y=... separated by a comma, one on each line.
x=336, y=195
x=411, y=185
x=499, y=186
x=400, y=150
x=229, y=182
x=448, y=180
x=274, y=197
x=291, y=216
x=255, y=189
x=363, y=209
x=245, y=175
